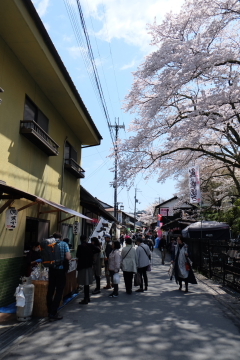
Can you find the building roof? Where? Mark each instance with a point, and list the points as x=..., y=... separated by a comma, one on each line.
x=23, y=31
x=93, y=204
x=181, y=205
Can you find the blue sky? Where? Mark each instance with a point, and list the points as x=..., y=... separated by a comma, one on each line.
x=120, y=42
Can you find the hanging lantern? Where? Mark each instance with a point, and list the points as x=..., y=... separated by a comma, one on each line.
x=11, y=218
x=76, y=228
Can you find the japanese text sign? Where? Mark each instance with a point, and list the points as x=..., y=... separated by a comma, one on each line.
x=76, y=228
x=11, y=218
x=194, y=184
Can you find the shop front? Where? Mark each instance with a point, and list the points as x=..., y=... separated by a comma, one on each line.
x=29, y=218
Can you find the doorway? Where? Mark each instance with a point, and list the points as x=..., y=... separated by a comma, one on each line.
x=36, y=230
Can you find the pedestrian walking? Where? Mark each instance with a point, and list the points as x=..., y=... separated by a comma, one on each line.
x=122, y=239
x=114, y=265
x=85, y=255
x=97, y=265
x=182, y=267
x=163, y=248
x=148, y=242
x=107, y=249
x=57, y=280
x=128, y=264
x=143, y=261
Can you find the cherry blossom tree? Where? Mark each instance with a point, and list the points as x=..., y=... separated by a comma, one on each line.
x=186, y=95
x=148, y=217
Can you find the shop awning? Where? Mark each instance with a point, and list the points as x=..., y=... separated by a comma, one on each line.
x=91, y=203
x=10, y=194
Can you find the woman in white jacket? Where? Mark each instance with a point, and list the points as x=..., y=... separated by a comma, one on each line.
x=128, y=264
x=114, y=265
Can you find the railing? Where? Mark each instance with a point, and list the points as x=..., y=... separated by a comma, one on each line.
x=218, y=259
x=30, y=127
x=73, y=166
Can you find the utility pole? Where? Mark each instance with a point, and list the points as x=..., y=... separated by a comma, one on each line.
x=135, y=207
x=116, y=127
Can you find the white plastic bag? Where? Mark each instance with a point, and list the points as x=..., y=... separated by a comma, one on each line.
x=20, y=298
x=116, y=278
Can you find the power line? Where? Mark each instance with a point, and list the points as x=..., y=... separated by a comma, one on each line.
x=112, y=58
x=97, y=169
x=88, y=56
x=101, y=63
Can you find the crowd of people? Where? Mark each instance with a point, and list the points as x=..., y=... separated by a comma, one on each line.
x=133, y=258
x=132, y=255
x=92, y=257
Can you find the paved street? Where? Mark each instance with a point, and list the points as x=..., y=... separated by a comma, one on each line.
x=162, y=323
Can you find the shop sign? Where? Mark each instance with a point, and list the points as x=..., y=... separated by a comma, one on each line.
x=76, y=228
x=194, y=184
x=164, y=211
x=11, y=218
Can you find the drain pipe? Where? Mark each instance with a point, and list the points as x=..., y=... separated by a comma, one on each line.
x=62, y=183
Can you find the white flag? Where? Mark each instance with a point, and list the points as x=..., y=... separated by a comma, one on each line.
x=194, y=184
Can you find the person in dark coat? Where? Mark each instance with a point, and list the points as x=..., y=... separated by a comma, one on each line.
x=163, y=248
x=97, y=265
x=148, y=242
x=85, y=256
x=182, y=267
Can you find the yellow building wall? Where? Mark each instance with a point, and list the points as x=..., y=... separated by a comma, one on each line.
x=22, y=164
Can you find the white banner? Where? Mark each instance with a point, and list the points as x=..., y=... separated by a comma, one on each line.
x=194, y=184
x=102, y=228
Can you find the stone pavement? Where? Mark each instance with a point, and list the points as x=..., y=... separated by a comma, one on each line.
x=162, y=323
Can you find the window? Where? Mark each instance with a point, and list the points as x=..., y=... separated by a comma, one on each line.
x=31, y=112
x=70, y=161
x=70, y=152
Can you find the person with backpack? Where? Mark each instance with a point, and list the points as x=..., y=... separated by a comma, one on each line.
x=143, y=260
x=128, y=264
x=54, y=252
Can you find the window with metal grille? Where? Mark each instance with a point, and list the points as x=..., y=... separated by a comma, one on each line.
x=70, y=152
x=32, y=112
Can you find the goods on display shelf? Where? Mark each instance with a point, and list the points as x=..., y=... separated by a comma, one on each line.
x=40, y=280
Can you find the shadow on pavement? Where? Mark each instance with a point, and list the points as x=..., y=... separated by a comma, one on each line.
x=162, y=323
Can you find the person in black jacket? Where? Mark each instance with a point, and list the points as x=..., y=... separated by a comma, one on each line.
x=85, y=255
x=163, y=248
x=107, y=248
x=148, y=242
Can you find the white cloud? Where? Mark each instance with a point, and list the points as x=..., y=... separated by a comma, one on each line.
x=67, y=38
x=128, y=66
x=76, y=51
x=127, y=20
x=41, y=6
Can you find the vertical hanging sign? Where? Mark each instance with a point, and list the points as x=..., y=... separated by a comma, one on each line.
x=76, y=228
x=11, y=218
x=194, y=184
